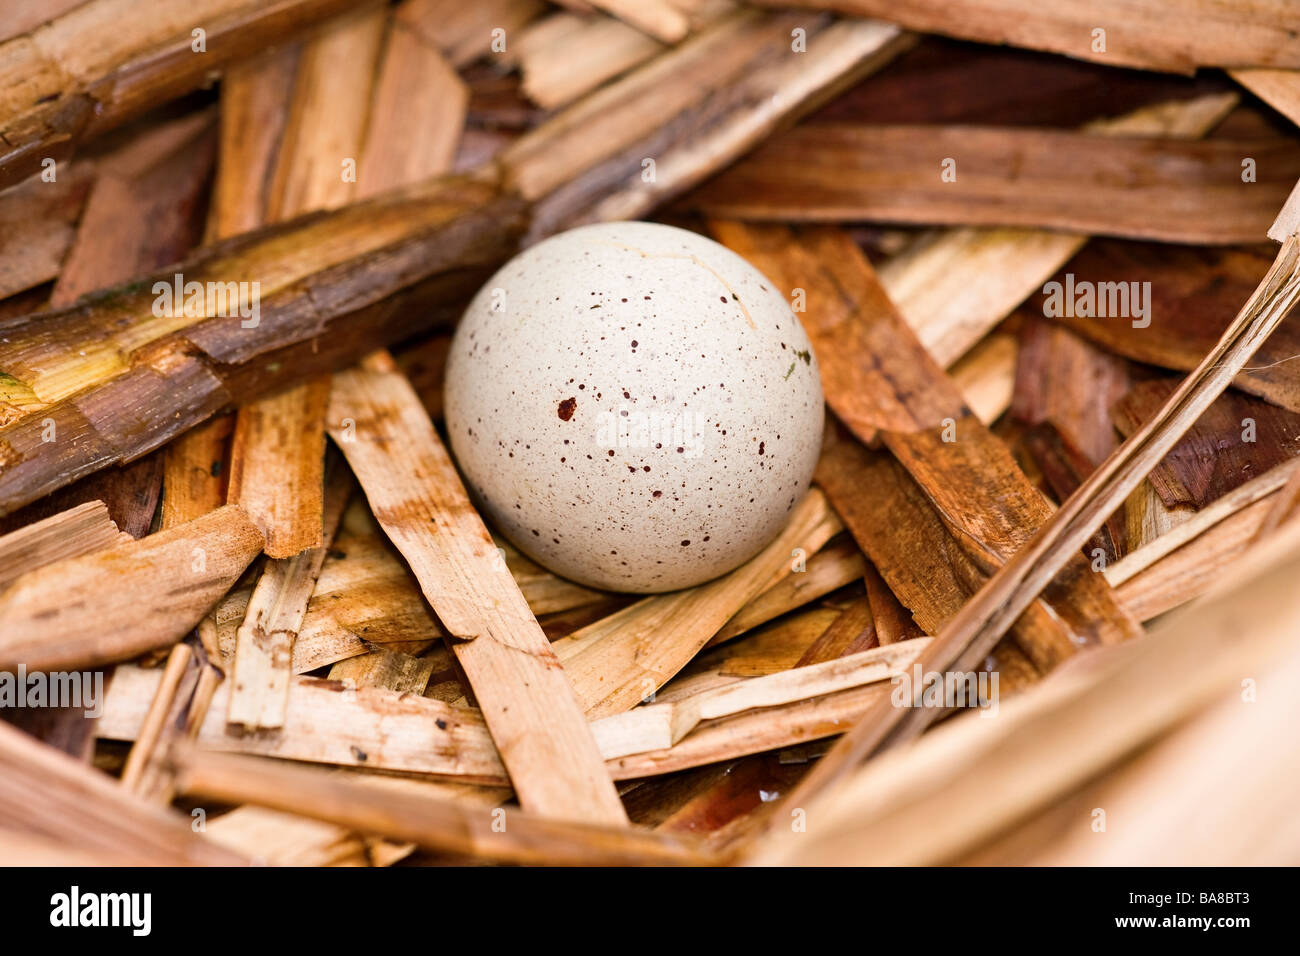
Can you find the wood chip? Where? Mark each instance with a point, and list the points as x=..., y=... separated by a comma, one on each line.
x=131, y=598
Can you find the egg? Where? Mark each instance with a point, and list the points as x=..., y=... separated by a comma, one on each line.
x=634, y=406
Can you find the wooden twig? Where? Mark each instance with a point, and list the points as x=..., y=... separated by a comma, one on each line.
x=1171, y=191
x=47, y=794
x=178, y=661
x=408, y=477
x=441, y=825
x=1143, y=34
x=131, y=598
x=323, y=282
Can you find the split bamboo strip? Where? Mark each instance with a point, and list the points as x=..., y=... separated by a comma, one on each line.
x=48, y=795
x=1285, y=507
x=660, y=19
x=194, y=472
x=624, y=658
x=916, y=554
x=1171, y=191
x=254, y=102
x=972, y=778
x=371, y=728
x=85, y=529
x=416, y=116
x=1147, y=34
x=439, y=825
x=969, y=636
x=412, y=485
x=135, y=597
x=660, y=726
x=108, y=60
x=880, y=381
x=1155, y=798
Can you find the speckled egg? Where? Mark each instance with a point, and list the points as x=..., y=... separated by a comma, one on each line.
x=634, y=406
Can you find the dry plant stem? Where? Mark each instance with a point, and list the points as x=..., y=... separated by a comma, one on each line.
x=46, y=793
x=178, y=661
x=436, y=824
x=973, y=778
x=135, y=597
x=621, y=660
x=109, y=60
x=81, y=530
x=374, y=729
x=378, y=422
x=407, y=255
x=463, y=31
x=969, y=636
x=1285, y=507
x=1146, y=34
x=331, y=286
x=1159, y=189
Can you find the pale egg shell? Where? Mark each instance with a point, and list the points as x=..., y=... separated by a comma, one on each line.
x=634, y=406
